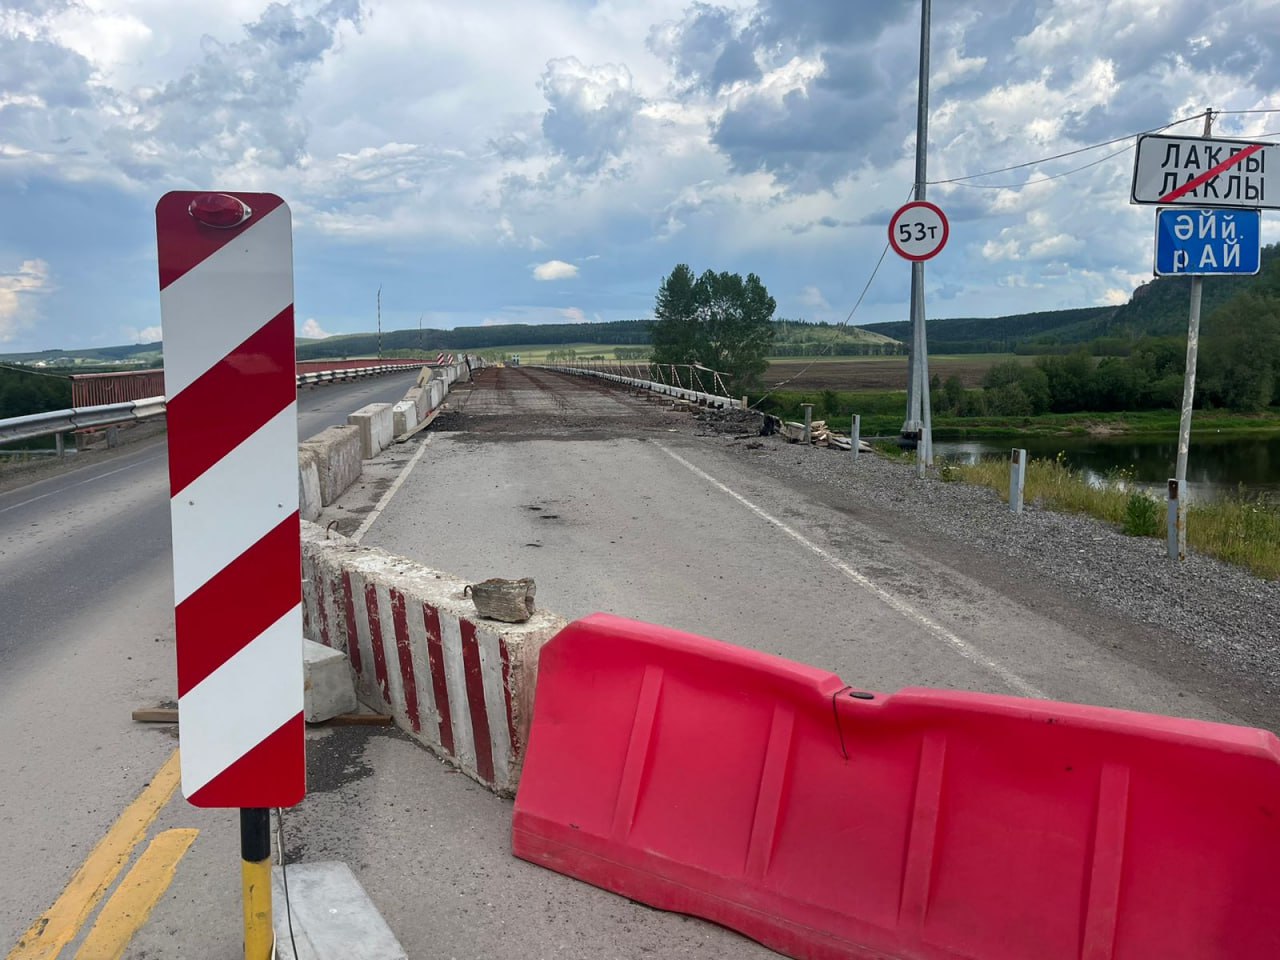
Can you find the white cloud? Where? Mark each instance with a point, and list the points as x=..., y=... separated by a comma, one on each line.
x=573, y=315
x=312, y=330
x=812, y=297
x=143, y=335
x=555, y=270
x=30, y=279
x=733, y=134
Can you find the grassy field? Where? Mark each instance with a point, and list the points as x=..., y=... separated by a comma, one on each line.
x=877, y=373
x=537, y=353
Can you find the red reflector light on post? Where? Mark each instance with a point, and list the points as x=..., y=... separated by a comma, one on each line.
x=219, y=210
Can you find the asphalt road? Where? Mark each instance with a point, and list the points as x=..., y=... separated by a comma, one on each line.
x=87, y=636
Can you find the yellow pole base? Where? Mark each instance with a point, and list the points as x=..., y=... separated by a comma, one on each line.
x=259, y=936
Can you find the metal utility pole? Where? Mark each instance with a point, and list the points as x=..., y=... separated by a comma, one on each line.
x=1178, y=489
x=379, y=321
x=919, y=422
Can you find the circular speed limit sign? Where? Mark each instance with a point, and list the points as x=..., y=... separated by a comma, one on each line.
x=918, y=230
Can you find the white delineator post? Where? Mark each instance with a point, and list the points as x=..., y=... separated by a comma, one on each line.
x=1017, y=479
x=226, y=296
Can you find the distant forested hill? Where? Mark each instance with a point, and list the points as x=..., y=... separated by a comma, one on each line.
x=1156, y=309
x=478, y=338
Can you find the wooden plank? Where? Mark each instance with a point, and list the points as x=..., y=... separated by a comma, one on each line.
x=166, y=715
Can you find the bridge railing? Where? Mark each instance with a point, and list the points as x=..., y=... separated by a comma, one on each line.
x=688, y=382
x=126, y=409
x=96, y=389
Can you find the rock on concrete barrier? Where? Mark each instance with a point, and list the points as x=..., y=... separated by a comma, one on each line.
x=459, y=684
x=375, y=424
x=337, y=451
x=308, y=483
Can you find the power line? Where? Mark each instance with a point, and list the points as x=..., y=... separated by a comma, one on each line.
x=1068, y=153
x=841, y=325
x=1047, y=178
x=34, y=373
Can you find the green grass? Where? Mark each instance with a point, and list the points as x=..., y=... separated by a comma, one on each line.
x=1240, y=531
x=1130, y=423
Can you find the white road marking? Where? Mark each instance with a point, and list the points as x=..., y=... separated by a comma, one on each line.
x=78, y=483
x=962, y=647
x=391, y=492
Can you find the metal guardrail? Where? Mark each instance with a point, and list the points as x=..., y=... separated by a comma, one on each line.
x=56, y=422
x=65, y=421
x=680, y=393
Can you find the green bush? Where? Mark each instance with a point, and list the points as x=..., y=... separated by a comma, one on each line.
x=1141, y=516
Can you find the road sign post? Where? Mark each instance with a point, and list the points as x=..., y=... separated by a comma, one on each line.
x=917, y=232
x=1201, y=172
x=226, y=300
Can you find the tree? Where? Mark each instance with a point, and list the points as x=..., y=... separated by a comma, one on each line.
x=719, y=320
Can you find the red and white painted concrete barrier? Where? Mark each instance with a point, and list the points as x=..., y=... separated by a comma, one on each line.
x=457, y=683
x=226, y=298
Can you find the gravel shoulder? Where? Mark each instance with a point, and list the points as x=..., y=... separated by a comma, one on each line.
x=1211, y=626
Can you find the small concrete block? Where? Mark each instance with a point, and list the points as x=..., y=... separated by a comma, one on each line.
x=308, y=484
x=375, y=425
x=333, y=918
x=420, y=398
x=404, y=417
x=437, y=390
x=337, y=452
x=328, y=689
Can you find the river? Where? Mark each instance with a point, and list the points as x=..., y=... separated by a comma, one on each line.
x=1218, y=464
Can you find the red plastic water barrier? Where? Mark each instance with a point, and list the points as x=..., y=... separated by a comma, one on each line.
x=826, y=822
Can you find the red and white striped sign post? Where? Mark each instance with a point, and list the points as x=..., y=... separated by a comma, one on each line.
x=226, y=298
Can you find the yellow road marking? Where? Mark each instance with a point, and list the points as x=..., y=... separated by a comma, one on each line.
x=59, y=924
x=143, y=886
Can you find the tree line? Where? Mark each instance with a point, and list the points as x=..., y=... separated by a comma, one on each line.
x=23, y=393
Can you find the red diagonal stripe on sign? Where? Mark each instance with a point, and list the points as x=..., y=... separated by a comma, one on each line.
x=1210, y=174
x=231, y=400
x=272, y=774
x=233, y=609
x=198, y=241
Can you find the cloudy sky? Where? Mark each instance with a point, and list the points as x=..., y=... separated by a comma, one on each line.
x=494, y=161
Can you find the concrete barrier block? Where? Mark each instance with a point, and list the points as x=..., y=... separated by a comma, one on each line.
x=404, y=417
x=421, y=400
x=375, y=424
x=459, y=684
x=309, y=501
x=436, y=391
x=329, y=916
x=337, y=451
x=328, y=689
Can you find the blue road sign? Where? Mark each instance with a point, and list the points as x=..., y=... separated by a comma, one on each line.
x=1208, y=242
